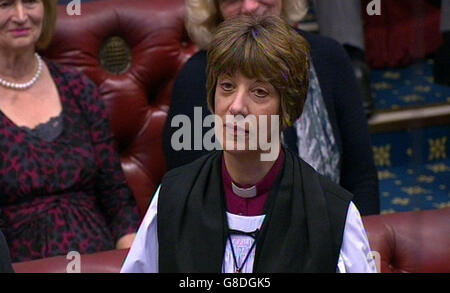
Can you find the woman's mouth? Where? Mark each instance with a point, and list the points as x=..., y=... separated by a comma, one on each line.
x=235, y=128
x=20, y=32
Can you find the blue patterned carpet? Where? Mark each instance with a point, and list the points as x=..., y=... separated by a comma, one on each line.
x=413, y=169
x=413, y=166
x=407, y=87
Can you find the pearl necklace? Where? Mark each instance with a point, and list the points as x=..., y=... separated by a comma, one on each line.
x=26, y=85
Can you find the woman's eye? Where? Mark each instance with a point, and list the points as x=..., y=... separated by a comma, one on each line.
x=260, y=93
x=226, y=86
x=30, y=1
x=4, y=4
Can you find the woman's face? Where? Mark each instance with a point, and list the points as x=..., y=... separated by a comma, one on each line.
x=245, y=107
x=232, y=8
x=20, y=23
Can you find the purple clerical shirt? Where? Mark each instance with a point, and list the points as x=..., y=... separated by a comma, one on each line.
x=251, y=206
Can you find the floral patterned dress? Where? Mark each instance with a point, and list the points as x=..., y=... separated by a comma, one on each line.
x=68, y=193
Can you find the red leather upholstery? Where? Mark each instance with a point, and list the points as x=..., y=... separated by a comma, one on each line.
x=138, y=100
x=102, y=262
x=413, y=242
x=416, y=242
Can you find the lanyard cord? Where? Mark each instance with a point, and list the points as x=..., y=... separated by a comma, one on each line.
x=254, y=235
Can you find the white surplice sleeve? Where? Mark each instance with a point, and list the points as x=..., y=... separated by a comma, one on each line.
x=355, y=255
x=143, y=254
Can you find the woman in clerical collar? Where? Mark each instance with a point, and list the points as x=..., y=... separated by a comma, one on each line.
x=252, y=208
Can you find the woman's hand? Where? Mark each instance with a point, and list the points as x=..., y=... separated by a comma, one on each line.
x=125, y=241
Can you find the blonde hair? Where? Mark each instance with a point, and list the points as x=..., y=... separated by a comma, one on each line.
x=266, y=48
x=48, y=26
x=203, y=16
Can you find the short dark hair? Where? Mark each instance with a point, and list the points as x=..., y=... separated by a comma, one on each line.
x=266, y=48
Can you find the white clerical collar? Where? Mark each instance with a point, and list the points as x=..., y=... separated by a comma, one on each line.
x=244, y=192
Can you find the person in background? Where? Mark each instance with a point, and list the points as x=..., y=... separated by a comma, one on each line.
x=342, y=21
x=441, y=69
x=233, y=211
x=332, y=134
x=61, y=183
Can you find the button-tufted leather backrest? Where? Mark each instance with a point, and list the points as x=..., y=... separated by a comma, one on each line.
x=133, y=50
x=411, y=242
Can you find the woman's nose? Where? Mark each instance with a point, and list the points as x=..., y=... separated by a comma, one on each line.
x=239, y=104
x=19, y=13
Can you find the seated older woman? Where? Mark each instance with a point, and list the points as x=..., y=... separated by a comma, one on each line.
x=241, y=209
x=61, y=183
